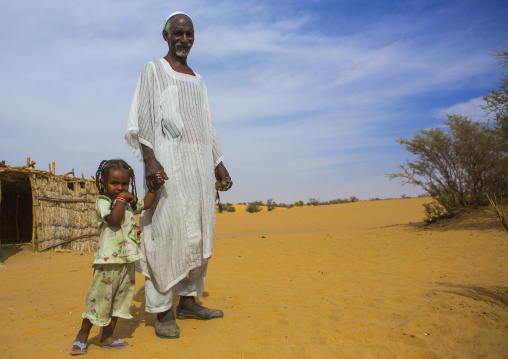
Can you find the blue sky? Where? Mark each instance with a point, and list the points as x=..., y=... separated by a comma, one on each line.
x=308, y=96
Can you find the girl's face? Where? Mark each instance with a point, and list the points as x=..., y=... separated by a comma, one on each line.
x=118, y=182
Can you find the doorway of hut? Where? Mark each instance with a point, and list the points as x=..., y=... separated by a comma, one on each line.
x=15, y=210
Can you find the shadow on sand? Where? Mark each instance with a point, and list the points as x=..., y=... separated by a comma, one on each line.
x=492, y=295
x=125, y=328
x=10, y=250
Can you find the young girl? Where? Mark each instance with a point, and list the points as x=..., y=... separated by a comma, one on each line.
x=112, y=288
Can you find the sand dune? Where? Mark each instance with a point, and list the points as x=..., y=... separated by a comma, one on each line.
x=359, y=280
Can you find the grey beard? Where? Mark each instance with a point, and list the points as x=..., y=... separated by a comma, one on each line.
x=182, y=51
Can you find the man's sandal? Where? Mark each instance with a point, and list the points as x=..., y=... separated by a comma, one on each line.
x=202, y=314
x=167, y=330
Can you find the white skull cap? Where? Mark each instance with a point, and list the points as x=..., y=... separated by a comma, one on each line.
x=174, y=14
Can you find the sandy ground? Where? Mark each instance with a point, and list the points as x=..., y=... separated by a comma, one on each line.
x=359, y=280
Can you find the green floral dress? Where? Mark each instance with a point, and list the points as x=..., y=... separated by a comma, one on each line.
x=112, y=288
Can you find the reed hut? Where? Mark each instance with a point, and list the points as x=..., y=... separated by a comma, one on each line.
x=47, y=210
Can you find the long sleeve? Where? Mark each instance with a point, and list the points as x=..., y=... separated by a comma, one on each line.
x=142, y=116
x=216, y=146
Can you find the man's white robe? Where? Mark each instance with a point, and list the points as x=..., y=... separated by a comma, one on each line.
x=171, y=115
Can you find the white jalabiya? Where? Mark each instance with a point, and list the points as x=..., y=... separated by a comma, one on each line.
x=170, y=114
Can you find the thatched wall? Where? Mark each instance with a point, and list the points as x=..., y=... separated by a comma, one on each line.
x=64, y=213
x=50, y=211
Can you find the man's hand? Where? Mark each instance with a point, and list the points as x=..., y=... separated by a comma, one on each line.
x=153, y=169
x=221, y=174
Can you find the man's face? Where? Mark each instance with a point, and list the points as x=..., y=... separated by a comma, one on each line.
x=182, y=36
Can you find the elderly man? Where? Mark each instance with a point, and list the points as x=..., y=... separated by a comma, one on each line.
x=171, y=130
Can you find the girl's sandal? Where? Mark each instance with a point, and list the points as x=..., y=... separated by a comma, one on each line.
x=117, y=344
x=78, y=348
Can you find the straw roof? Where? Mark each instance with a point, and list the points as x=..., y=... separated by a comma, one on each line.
x=56, y=211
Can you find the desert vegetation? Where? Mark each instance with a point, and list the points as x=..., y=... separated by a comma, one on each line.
x=463, y=160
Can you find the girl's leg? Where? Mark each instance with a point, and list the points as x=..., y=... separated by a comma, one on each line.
x=84, y=331
x=79, y=345
x=107, y=333
x=107, y=338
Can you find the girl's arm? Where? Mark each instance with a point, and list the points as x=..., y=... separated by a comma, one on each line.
x=118, y=211
x=150, y=196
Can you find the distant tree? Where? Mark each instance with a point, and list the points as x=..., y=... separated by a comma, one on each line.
x=254, y=206
x=339, y=201
x=313, y=202
x=456, y=165
x=353, y=199
x=270, y=204
x=299, y=204
x=496, y=100
x=228, y=207
x=496, y=103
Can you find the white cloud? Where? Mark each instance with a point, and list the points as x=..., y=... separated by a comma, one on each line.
x=471, y=109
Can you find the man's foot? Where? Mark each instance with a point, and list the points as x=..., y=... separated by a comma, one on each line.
x=167, y=329
x=78, y=348
x=202, y=314
x=188, y=308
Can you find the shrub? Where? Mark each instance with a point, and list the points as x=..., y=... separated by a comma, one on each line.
x=228, y=207
x=299, y=204
x=499, y=212
x=434, y=211
x=459, y=164
x=313, y=202
x=254, y=207
x=456, y=166
x=270, y=204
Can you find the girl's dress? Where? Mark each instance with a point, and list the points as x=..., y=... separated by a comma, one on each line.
x=112, y=288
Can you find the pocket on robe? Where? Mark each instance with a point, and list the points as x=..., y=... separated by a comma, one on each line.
x=169, y=127
x=171, y=122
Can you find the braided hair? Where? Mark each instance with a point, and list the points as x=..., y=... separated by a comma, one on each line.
x=101, y=177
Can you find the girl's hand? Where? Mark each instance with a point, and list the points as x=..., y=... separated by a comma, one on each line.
x=127, y=195
x=160, y=177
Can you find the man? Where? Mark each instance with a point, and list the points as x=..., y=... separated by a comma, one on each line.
x=171, y=130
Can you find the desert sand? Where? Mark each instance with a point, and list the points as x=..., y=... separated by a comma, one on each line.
x=356, y=280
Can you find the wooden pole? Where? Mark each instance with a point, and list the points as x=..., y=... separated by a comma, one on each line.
x=34, y=221
x=65, y=200
x=68, y=240
x=49, y=164
x=28, y=161
x=0, y=211
x=16, y=218
x=54, y=168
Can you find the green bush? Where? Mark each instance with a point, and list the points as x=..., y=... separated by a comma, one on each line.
x=456, y=164
x=313, y=202
x=253, y=207
x=228, y=207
